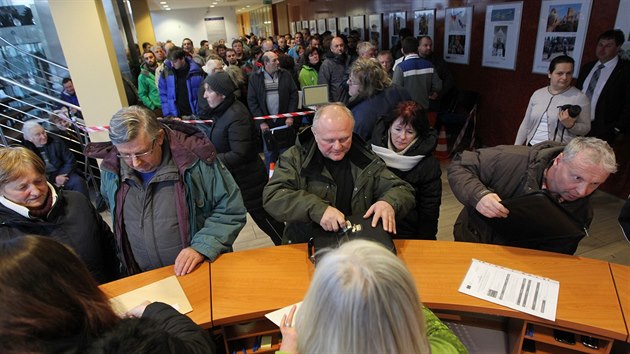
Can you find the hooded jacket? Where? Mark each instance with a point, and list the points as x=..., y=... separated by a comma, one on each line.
x=167, y=87
x=209, y=205
x=302, y=188
x=334, y=72
x=147, y=89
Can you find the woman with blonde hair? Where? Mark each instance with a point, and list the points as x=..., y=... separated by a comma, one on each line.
x=363, y=299
x=372, y=94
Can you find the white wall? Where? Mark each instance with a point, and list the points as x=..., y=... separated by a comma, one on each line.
x=179, y=24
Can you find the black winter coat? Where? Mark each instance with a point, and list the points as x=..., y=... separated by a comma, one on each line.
x=421, y=222
x=235, y=137
x=74, y=222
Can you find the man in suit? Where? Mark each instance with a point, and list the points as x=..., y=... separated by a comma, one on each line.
x=606, y=82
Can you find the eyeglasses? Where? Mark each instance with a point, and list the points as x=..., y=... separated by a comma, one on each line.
x=129, y=157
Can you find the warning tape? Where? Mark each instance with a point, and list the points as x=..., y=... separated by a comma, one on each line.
x=285, y=115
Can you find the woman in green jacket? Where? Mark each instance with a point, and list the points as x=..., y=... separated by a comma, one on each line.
x=311, y=61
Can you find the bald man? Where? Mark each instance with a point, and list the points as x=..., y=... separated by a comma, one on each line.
x=335, y=71
x=329, y=175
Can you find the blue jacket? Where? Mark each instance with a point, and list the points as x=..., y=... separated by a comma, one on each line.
x=209, y=205
x=367, y=111
x=167, y=87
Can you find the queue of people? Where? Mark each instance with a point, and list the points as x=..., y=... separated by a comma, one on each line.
x=179, y=195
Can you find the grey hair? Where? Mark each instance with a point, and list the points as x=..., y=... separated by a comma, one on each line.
x=363, y=47
x=596, y=151
x=327, y=106
x=127, y=124
x=28, y=125
x=362, y=299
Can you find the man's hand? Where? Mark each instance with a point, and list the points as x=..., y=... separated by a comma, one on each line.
x=490, y=206
x=61, y=180
x=187, y=260
x=332, y=219
x=289, y=121
x=382, y=210
x=264, y=126
x=566, y=119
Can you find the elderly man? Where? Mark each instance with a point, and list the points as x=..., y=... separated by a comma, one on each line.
x=482, y=179
x=60, y=161
x=272, y=90
x=335, y=71
x=172, y=202
x=328, y=175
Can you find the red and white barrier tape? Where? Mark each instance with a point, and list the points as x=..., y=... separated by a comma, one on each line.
x=284, y=115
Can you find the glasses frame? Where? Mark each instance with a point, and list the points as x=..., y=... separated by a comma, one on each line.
x=130, y=157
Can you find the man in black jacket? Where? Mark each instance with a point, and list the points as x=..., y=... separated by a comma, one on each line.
x=59, y=160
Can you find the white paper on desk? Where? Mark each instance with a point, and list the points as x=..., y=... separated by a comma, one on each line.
x=520, y=291
x=276, y=316
x=166, y=290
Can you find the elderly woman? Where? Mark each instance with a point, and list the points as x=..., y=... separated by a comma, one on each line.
x=31, y=205
x=405, y=142
x=233, y=134
x=547, y=116
x=363, y=299
x=372, y=95
x=50, y=304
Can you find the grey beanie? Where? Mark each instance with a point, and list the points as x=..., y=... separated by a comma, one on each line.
x=220, y=83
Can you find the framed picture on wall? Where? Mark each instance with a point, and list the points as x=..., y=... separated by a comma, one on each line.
x=298, y=26
x=623, y=23
x=331, y=25
x=321, y=25
x=293, y=28
x=375, y=30
x=304, y=24
x=312, y=26
x=561, y=31
x=457, y=29
x=358, y=24
x=424, y=23
x=501, y=33
x=397, y=20
x=344, y=25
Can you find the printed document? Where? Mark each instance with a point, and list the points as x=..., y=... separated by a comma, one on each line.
x=520, y=291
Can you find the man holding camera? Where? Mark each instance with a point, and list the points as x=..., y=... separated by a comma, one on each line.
x=482, y=179
x=558, y=112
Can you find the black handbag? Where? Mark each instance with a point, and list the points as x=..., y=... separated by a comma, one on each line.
x=356, y=228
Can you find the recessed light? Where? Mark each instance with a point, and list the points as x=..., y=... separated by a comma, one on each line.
x=169, y=9
x=162, y=2
x=165, y=6
x=211, y=5
x=247, y=6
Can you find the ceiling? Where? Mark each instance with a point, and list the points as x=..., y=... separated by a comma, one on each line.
x=239, y=5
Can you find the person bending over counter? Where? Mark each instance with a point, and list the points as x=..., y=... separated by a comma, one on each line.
x=363, y=299
x=51, y=304
x=570, y=174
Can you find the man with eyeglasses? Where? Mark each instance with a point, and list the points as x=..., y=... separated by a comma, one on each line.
x=172, y=202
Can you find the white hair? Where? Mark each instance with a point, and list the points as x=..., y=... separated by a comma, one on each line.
x=362, y=299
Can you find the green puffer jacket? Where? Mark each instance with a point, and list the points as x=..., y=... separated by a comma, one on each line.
x=308, y=76
x=301, y=188
x=147, y=89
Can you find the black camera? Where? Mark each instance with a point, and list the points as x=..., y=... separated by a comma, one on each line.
x=574, y=110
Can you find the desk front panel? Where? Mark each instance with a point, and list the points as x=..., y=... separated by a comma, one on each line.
x=196, y=285
x=621, y=275
x=587, y=300
x=248, y=284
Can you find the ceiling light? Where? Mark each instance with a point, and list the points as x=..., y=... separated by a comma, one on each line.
x=247, y=6
x=168, y=9
x=211, y=5
x=162, y=2
x=165, y=6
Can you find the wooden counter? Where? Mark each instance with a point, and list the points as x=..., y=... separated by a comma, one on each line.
x=621, y=275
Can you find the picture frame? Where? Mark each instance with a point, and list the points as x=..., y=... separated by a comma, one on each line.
x=298, y=26
x=457, y=31
x=358, y=24
x=424, y=23
x=562, y=29
x=331, y=25
x=375, y=30
x=304, y=24
x=501, y=35
x=344, y=25
x=312, y=26
x=293, y=28
x=623, y=23
x=321, y=25
x=397, y=20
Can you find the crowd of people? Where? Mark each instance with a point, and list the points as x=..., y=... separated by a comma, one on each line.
x=179, y=193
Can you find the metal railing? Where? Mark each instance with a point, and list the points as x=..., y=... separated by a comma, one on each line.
x=29, y=89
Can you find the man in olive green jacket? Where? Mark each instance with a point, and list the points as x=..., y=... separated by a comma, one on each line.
x=330, y=174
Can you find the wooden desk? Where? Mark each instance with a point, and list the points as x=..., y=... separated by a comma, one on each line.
x=248, y=284
x=621, y=275
x=196, y=285
x=587, y=300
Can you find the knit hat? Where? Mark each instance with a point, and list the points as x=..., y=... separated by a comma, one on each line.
x=220, y=83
